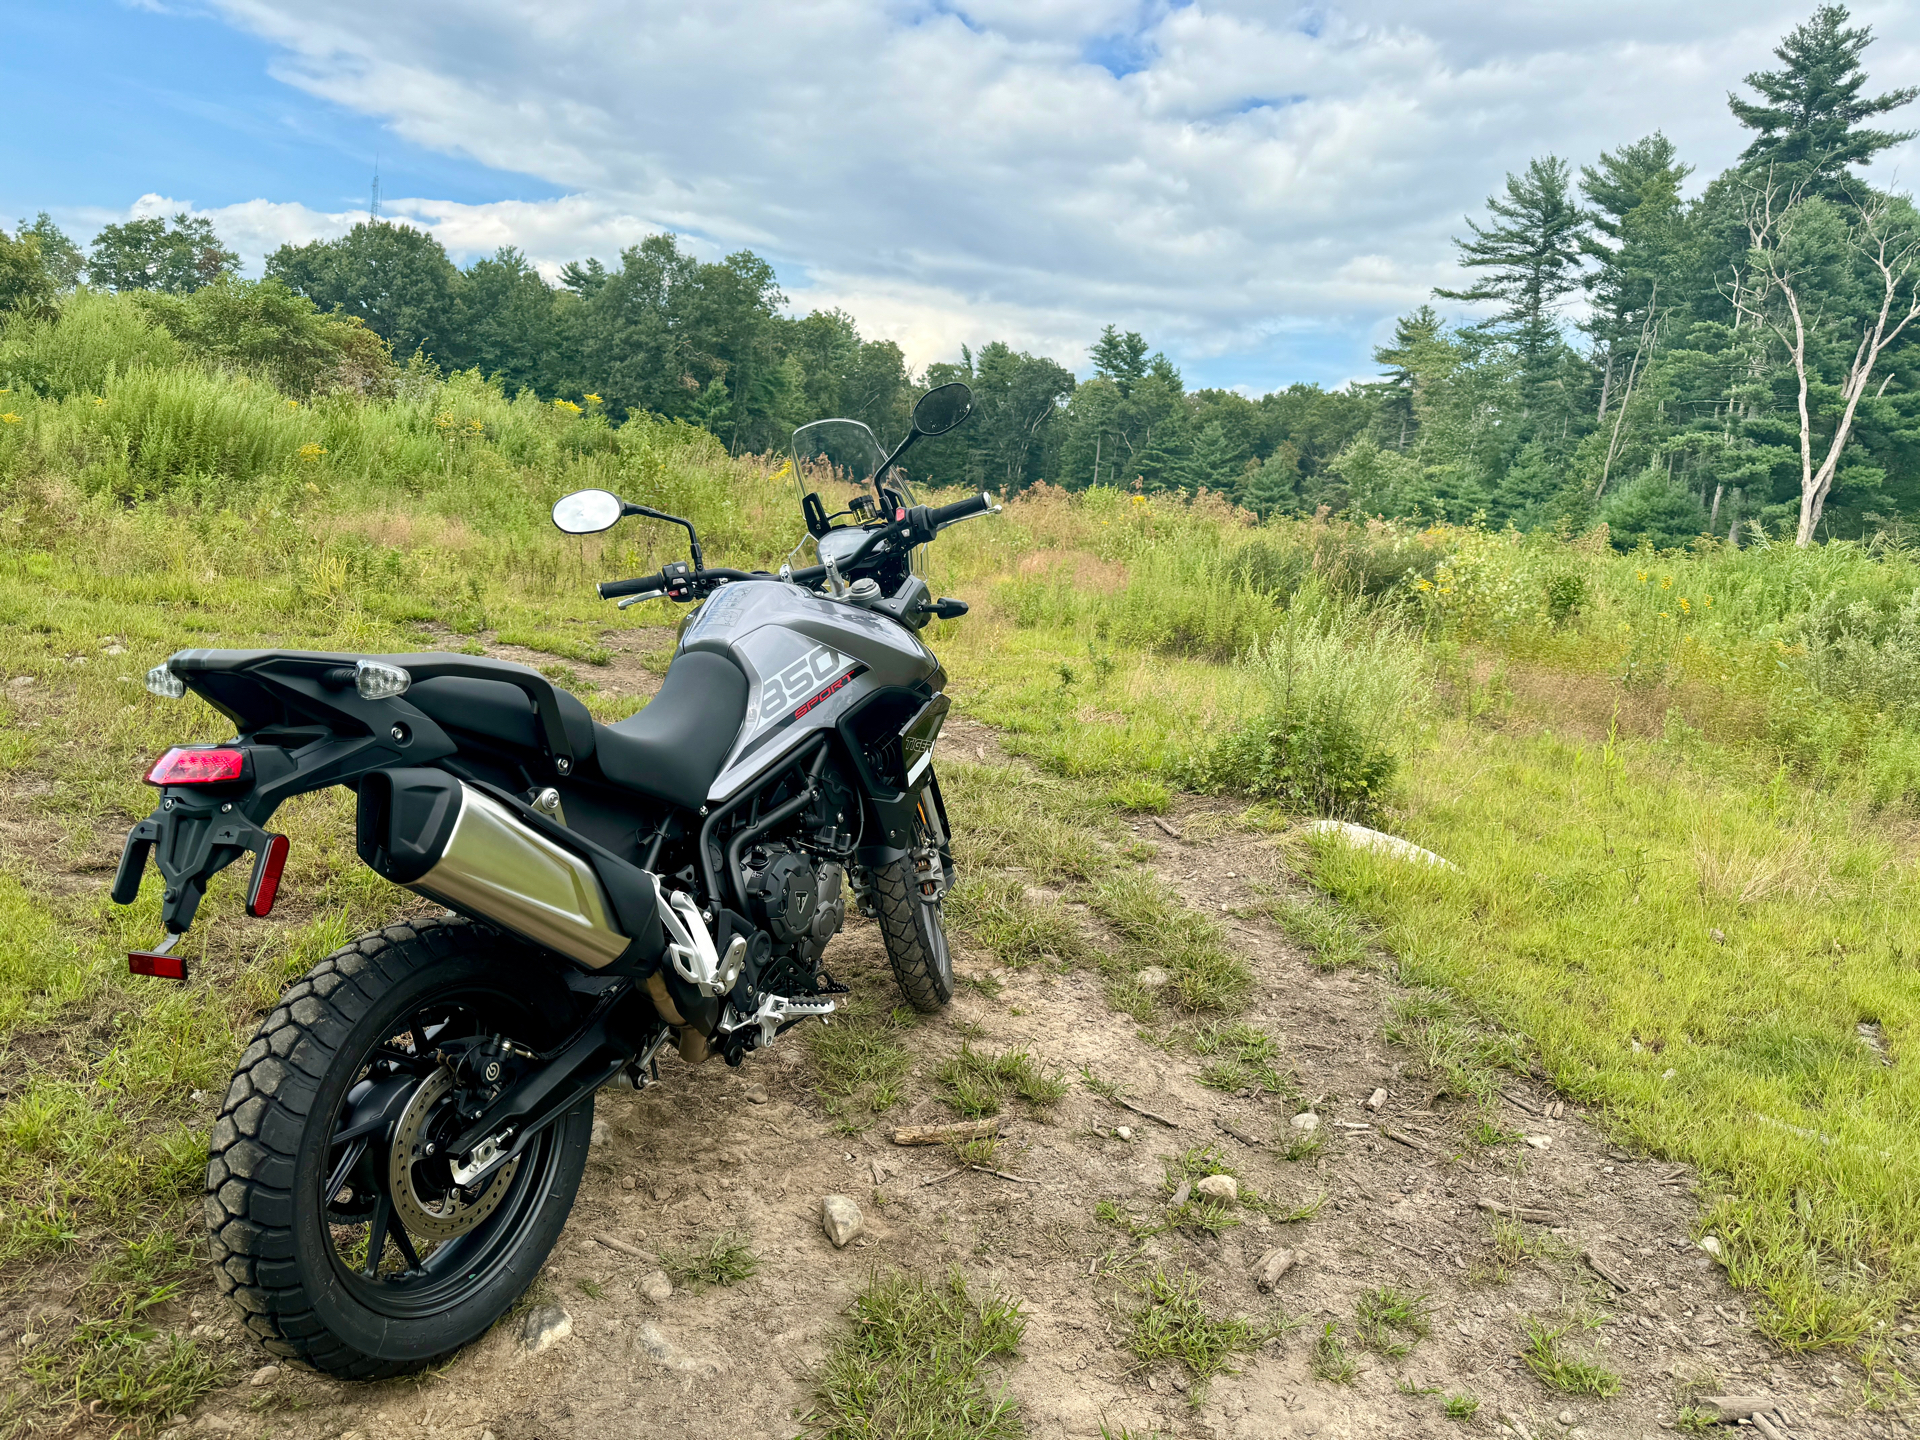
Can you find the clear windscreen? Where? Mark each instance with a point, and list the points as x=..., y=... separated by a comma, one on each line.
x=836, y=460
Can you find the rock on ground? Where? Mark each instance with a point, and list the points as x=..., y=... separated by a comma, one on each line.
x=545, y=1326
x=1373, y=840
x=840, y=1218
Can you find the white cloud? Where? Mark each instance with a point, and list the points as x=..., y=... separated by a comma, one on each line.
x=952, y=172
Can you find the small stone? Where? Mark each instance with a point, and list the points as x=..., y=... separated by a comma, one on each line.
x=1566, y=1418
x=627, y=1183
x=266, y=1375
x=1668, y=1074
x=1378, y=1099
x=488, y=1436
x=1539, y=1143
x=545, y=1326
x=20, y=682
x=1712, y=1245
x=599, y=1136
x=840, y=1218
x=1718, y=936
x=656, y=1287
x=756, y=1095
x=1181, y=1193
x=1307, y=1123
x=114, y=650
x=1152, y=977
x=29, y=1339
x=1153, y=1382
x=1224, y=1189
x=1125, y=1133
x=197, y=1098
x=1274, y=1265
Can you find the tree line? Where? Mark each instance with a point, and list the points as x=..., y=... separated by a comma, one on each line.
x=1743, y=362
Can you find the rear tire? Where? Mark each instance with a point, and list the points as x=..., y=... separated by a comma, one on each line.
x=281, y=1226
x=911, y=925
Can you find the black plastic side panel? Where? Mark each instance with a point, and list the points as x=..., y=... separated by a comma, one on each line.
x=404, y=820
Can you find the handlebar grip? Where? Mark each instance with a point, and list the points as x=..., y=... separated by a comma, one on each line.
x=960, y=510
x=614, y=589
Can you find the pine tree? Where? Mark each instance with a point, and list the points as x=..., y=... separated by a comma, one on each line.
x=1122, y=358
x=1807, y=123
x=1531, y=256
x=1404, y=359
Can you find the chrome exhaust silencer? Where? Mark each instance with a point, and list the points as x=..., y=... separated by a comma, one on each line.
x=455, y=844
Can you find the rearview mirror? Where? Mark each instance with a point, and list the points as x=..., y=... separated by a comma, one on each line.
x=943, y=408
x=586, y=512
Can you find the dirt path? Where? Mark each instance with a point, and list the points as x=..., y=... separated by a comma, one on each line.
x=755, y=1150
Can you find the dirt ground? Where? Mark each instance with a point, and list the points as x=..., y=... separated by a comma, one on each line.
x=755, y=1150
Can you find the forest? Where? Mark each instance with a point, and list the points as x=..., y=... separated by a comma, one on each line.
x=1737, y=364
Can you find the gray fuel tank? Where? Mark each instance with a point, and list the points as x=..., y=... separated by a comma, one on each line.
x=808, y=660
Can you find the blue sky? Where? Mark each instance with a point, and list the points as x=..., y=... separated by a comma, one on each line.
x=1257, y=187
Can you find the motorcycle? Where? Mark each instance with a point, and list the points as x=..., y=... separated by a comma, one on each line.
x=404, y=1136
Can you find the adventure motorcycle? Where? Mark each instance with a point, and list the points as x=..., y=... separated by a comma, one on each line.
x=403, y=1139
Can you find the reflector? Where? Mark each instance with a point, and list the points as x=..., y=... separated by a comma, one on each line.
x=152, y=963
x=266, y=876
x=198, y=766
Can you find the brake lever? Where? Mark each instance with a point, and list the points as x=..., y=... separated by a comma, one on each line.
x=626, y=601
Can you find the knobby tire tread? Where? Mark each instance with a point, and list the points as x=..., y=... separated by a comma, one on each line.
x=251, y=1152
x=896, y=901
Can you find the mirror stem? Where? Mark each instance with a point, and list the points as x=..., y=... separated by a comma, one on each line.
x=628, y=507
x=888, y=464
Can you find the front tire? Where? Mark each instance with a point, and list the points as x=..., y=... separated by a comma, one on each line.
x=355, y=1261
x=907, y=898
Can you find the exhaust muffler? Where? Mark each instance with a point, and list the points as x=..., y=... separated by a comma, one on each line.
x=449, y=841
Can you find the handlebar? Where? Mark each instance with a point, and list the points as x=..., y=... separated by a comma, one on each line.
x=942, y=516
x=679, y=582
x=614, y=589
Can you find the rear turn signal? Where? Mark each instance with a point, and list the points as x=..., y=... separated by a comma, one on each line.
x=152, y=963
x=266, y=876
x=198, y=766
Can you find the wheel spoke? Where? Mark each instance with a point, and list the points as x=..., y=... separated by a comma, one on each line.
x=377, y=1235
x=399, y=1233
x=355, y=1150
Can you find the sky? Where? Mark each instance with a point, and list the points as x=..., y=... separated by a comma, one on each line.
x=1258, y=188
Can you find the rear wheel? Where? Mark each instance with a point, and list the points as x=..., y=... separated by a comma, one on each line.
x=907, y=897
x=336, y=1222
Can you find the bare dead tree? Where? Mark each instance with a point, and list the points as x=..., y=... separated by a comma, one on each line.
x=1889, y=251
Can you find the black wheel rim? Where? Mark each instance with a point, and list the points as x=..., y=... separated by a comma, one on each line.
x=378, y=1259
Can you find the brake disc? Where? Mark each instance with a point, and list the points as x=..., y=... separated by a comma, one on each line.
x=436, y=1212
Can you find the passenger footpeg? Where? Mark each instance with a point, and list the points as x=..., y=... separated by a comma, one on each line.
x=690, y=949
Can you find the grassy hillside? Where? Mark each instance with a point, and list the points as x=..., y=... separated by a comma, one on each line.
x=1679, y=787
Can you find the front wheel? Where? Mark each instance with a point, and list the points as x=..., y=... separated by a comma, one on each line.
x=907, y=898
x=336, y=1222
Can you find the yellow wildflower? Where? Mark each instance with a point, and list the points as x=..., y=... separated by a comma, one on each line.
x=1641, y=576
x=1707, y=600
x=476, y=426
x=312, y=451
x=98, y=400
x=293, y=405
x=1666, y=616
x=10, y=418
x=1140, y=500
x=593, y=399
x=567, y=406
x=444, y=420
x=1686, y=609
x=1667, y=582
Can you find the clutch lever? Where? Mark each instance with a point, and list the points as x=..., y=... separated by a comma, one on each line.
x=637, y=599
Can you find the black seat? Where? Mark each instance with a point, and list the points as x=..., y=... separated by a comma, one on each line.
x=500, y=711
x=674, y=748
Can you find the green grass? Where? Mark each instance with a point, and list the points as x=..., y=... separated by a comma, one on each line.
x=994, y=910
x=1390, y=1320
x=1329, y=1361
x=1172, y=1324
x=913, y=1363
x=976, y=1082
x=1460, y=1408
x=1326, y=930
x=1558, y=1368
x=860, y=1060
x=1240, y=1056
x=726, y=1260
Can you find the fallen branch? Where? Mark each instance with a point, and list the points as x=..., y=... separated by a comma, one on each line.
x=932, y=1180
x=1603, y=1271
x=1519, y=1213
x=954, y=1131
x=1406, y=1140
x=1168, y=826
x=990, y=1171
x=1143, y=1111
x=1241, y=1136
x=614, y=1243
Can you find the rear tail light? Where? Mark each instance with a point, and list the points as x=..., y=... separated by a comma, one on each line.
x=198, y=766
x=152, y=963
x=266, y=876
